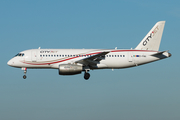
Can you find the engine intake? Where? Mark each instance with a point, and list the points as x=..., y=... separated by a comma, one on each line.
x=69, y=69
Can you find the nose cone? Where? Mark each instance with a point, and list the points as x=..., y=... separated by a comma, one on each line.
x=10, y=63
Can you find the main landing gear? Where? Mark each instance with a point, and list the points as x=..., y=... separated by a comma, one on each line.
x=25, y=71
x=86, y=76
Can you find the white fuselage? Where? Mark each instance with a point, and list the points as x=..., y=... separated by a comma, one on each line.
x=52, y=58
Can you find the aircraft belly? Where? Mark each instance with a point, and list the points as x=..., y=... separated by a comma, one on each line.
x=121, y=63
x=148, y=59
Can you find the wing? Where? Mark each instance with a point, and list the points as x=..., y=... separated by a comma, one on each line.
x=92, y=60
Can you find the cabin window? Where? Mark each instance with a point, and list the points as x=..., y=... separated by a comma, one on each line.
x=20, y=54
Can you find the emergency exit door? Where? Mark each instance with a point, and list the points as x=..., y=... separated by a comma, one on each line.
x=130, y=57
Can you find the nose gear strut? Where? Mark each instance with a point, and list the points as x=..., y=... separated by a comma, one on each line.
x=25, y=71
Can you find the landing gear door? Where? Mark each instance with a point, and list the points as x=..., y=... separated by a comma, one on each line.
x=34, y=55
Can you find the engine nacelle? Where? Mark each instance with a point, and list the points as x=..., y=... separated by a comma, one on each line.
x=70, y=69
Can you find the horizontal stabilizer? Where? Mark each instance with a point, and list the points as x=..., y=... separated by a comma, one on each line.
x=162, y=54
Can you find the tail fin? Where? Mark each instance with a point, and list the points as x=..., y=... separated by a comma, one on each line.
x=153, y=39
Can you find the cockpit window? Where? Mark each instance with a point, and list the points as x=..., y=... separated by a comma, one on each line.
x=20, y=54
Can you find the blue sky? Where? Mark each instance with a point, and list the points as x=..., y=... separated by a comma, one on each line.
x=142, y=93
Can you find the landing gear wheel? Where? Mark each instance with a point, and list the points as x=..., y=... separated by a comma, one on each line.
x=86, y=76
x=24, y=76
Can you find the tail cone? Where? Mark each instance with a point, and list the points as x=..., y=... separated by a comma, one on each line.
x=169, y=54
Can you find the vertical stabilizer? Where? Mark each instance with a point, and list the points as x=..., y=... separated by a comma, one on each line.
x=153, y=39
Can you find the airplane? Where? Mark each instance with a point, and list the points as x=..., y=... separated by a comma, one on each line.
x=76, y=61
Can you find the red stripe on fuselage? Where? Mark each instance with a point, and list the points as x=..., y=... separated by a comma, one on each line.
x=87, y=54
x=58, y=61
x=133, y=51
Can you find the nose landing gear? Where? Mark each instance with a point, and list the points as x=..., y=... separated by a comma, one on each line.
x=24, y=76
x=25, y=71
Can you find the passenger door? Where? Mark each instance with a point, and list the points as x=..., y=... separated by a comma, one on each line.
x=34, y=55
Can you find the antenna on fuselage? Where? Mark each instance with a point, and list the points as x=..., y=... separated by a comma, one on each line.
x=39, y=48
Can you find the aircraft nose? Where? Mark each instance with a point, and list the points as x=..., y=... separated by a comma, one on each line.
x=9, y=62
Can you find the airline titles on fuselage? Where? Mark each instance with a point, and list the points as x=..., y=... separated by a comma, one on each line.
x=48, y=51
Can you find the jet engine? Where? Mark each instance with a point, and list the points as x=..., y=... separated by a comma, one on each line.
x=70, y=69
